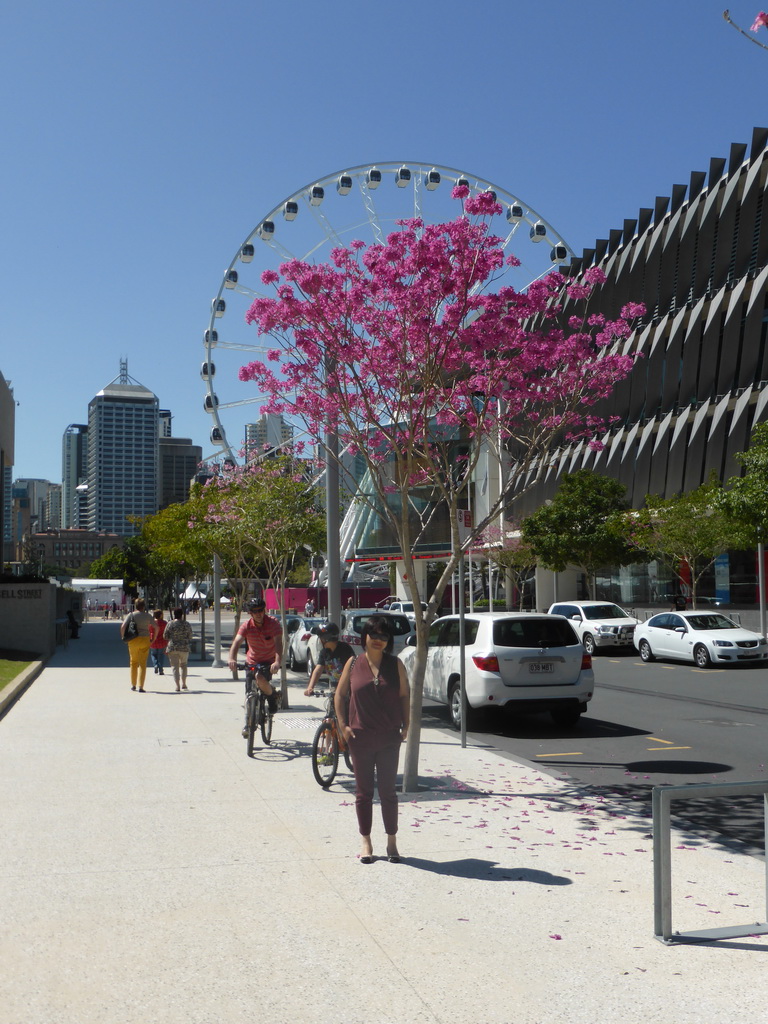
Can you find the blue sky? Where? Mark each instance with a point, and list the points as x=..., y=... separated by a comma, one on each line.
x=143, y=142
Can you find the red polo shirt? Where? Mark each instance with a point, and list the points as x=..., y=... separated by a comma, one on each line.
x=262, y=640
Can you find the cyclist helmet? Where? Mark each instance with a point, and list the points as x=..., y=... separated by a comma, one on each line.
x=327, y=631
x=256, y=604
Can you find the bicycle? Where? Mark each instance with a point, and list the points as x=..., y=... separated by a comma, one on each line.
x=257, y=716
x=327, y=744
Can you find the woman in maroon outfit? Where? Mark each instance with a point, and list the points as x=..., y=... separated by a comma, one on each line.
x=376, y=685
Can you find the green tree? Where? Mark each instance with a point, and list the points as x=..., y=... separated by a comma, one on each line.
x=139, y=568
x=585, y=524
x=168, y=535
x=260, y=519
x=745, y=497
x=518, y=560
x=687, y=531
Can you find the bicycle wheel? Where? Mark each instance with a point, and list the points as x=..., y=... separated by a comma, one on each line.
x=348, y=760
x=266, y=720
x=325, y=754
x=250, y=722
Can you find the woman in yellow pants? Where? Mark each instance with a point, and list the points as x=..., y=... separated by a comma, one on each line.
x=138, y=648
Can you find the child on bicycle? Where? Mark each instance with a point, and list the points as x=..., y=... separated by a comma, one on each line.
x=333, y=657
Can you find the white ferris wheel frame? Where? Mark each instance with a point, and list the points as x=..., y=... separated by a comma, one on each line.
x=421, y=177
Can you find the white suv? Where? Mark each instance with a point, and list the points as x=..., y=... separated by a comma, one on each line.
x=406, y=608
x=528, y=661
x=353, y=619
x=599, y=624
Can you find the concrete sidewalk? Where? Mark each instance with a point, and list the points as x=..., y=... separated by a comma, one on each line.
x=154, y=874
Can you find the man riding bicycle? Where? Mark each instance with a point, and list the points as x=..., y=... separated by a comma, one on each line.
x=264, y=637
x=332, y=659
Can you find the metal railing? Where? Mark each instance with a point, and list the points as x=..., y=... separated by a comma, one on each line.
x=662, y=858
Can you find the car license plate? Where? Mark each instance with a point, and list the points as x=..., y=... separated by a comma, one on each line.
x=541, y=666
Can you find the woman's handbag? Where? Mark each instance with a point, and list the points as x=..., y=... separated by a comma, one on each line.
x=131, y=630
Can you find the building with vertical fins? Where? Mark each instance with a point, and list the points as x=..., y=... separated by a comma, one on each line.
x=698, y=259
x=123, y=437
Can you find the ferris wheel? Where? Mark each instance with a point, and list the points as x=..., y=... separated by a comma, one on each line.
x=364, y=202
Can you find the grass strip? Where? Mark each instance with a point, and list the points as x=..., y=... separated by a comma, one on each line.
x=12, y=663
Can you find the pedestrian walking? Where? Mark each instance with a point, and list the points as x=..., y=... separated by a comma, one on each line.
x=178, y=634
x=373, y=710
x=138, y=647
x=157, y=641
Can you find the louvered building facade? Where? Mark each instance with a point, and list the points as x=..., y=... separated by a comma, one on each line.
x=698, y=259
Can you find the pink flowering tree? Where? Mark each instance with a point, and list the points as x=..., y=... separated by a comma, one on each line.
x=761, y=21
x=407, y=353
x=260, y=519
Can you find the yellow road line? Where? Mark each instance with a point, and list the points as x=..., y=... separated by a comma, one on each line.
x=657, y=740
x=568, y=753
x=667, y=748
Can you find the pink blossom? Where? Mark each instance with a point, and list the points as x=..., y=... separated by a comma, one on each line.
x=270, y=277
x=760, y=20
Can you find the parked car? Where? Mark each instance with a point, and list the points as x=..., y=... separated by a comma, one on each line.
x=406, y=608
x=529, y=661
x=702, y=637
x=353, y=619
x=599, y=624
x=300, y=642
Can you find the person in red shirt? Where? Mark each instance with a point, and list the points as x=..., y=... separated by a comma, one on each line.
x=264, y=637
x=157, y=641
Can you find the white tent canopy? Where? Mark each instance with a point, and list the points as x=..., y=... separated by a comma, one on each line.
x=193, y=593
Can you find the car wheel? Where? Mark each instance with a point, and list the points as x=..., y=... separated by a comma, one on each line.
x=589, y=643
x=291, y=660
x=701, y=656
x=645, y=651
x=565, y=716
x=454, y=707
x=310, y=664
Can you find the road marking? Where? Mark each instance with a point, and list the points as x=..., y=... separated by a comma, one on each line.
x=569, y=753
x=657, y=740
x=667, y=748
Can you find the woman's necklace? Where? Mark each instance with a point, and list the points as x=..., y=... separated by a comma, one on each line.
x=375, y=673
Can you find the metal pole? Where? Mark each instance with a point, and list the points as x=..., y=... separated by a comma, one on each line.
x=462, y=655
x=761, y=577
x=333, y=526
x=217, y=662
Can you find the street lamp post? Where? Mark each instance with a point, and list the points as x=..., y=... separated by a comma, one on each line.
x=761, y=576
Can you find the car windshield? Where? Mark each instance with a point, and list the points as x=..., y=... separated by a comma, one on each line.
x=710, y=621
x=604, y=611
x=533, y=632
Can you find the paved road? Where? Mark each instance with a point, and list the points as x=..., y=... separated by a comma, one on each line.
x=660, y=724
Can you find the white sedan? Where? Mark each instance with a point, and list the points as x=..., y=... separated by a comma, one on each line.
x=704, y=638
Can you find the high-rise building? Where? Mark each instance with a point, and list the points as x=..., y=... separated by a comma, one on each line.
x=53, y=508
x=123, y=428
x=74, y=474
x=268, y=433
x=7, y=426
x=42, y=512
x=179, y=464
